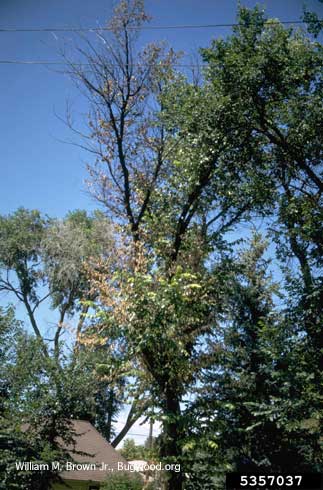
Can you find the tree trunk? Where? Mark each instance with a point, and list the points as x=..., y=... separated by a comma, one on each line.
x=170, y=446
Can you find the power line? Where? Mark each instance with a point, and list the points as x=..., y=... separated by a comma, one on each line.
x=30, y=62
x=44, y=62
x=100, y=29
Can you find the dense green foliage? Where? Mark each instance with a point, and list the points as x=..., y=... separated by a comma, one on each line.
x=130, y=450
x=123, y=481
x=23, y=401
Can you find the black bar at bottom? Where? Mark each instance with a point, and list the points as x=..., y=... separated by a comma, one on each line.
x=274, y=481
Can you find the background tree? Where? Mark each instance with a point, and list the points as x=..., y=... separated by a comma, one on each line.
x=42, y=259
x=130, y=450
x=271, y=78
x=313, y=21
x=42, y=263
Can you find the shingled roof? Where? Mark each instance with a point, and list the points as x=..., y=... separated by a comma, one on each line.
x=88, y=440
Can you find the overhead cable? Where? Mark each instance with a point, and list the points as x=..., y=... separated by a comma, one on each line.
x=146, y=28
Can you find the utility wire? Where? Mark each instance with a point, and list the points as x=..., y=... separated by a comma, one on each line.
x=100, y=29
x=134, y=434
x=44, y=62
x=72, y=64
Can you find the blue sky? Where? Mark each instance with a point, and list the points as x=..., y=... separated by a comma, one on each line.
x=38, y=170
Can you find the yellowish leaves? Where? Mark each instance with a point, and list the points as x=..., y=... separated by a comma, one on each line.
x=213, y=444
x=93, y=340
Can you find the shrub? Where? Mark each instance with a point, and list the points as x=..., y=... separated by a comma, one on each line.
x=123, y=481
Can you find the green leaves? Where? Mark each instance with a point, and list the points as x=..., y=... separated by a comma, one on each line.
x=123, y=481
x=66, y=248
x=21, y=235
x=314, y=23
